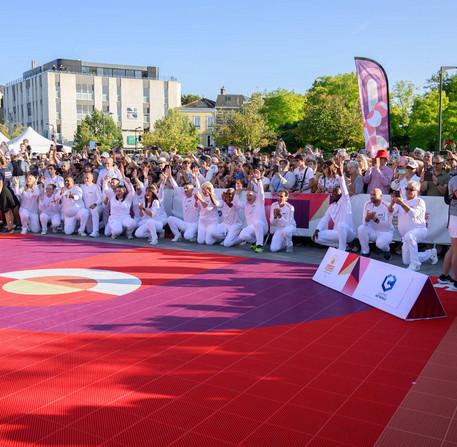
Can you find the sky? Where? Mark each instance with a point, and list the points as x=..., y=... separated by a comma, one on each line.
x=246, y=46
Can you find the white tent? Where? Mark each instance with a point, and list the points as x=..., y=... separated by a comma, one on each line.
x=39, y=143
x=3, y=138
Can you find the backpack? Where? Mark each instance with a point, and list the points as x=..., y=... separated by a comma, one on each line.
x=17, y=168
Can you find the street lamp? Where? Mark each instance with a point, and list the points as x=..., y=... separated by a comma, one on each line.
x=441, y=106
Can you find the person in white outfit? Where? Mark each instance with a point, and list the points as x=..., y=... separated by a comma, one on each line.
x=49, y=209
x=28, y=211
x=282, y=215
x=73, y=208
x=376, y=225
x=110, y=171
x=52, y=178
x=188, y=225
x=151, y=210
x=120, y=203
x=92, y=197
x=229, y=230
x=340, y=212
x=412, y=227
x=254, y=211
x=208, y=220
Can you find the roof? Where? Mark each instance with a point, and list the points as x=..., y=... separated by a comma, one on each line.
x=202, y=103
x=231, y=101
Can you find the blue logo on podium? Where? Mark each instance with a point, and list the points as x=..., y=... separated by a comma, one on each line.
x=389, y=282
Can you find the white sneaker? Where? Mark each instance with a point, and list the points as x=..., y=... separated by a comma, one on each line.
x=113, y=236
x=194, y=239
x=44, y=232
x=24, y=231
x=162, y=234
x=414, y=267
x=82, y=234
x=242, y=243
x=94, y=234
x=129, y=236
x=154, y=242
x=176, y=238
x=290, y=249
x=54, y=230
x=433, y=256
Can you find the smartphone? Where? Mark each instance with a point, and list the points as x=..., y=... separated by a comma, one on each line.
x=428, y=176
x=397, y=194
x=280, y=169
x=443, y=153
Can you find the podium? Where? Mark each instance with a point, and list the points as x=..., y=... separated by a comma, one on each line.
x=403, y=293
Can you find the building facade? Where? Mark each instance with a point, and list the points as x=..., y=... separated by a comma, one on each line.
x=202, y=114
x=55, y=97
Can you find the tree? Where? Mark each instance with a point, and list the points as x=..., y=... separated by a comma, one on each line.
x=11, y=130
x=423, y=125
x=187, y=99
x=402, y=98
x=100, y=128
x=246, y=128
x=327, y=122
x=282, y=107
x=174, y=130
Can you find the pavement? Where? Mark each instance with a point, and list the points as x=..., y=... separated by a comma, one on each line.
x=304, y=251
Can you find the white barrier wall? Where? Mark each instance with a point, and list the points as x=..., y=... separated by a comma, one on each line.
x=436, y=215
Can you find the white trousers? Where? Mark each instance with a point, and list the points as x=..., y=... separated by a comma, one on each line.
x=45, y=218
x=177, y=226
x=28, y=217
x=69, y=225
x=282, y=238
x=116, y=227
x=339, y=237
x=150, y=228
x=254, y=233
x=409, y=251
x=368, y=234
x=93, y=224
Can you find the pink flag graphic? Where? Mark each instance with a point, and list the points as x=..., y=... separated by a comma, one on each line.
x=374, y=100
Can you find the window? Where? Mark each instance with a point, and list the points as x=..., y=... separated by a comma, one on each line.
x=105, y=93
x=29, y=109
x=57, y=89
x=118, y=73
x=209, y=121
x=107, y=72
x=118, y=92
x=146, y=114
x=58, y=110
x=105, y=110
x=118, y=117
x=197, y=122
x=165, y=95
x=146, y=94
x=84, y=91
x=82, y=110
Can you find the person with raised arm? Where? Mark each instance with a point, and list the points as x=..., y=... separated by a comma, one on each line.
x=188, y=225
x=340, y=212
x=254, y=211
x=208, y=219
x=151, y=210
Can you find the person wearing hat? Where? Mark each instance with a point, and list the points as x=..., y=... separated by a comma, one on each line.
x=379, y=175
x=412, y=226
x=199, y=151
x=403, y=176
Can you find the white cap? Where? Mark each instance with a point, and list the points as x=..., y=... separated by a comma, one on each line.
x=104, y=155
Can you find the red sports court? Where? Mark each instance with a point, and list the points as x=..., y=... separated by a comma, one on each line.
x=104, y=344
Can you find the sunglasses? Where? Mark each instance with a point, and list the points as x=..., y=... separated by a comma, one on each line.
x=437, y=162
x=409, y=189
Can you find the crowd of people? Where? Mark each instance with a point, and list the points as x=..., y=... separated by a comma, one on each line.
x=114, y=193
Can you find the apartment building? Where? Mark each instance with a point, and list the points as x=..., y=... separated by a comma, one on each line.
x=53, y=98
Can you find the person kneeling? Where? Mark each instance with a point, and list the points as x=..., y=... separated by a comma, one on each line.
x=282, y=215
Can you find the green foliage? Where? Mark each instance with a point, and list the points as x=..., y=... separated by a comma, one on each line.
x=282, y=107
x=402, y=97
x=329, y=123
x=187, y=99
x=101, y=130
x=174, y=130
x=11, y=130
x=245, y=128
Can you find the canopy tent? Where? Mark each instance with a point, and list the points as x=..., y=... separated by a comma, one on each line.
x=39, y=143
x=3, y=138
